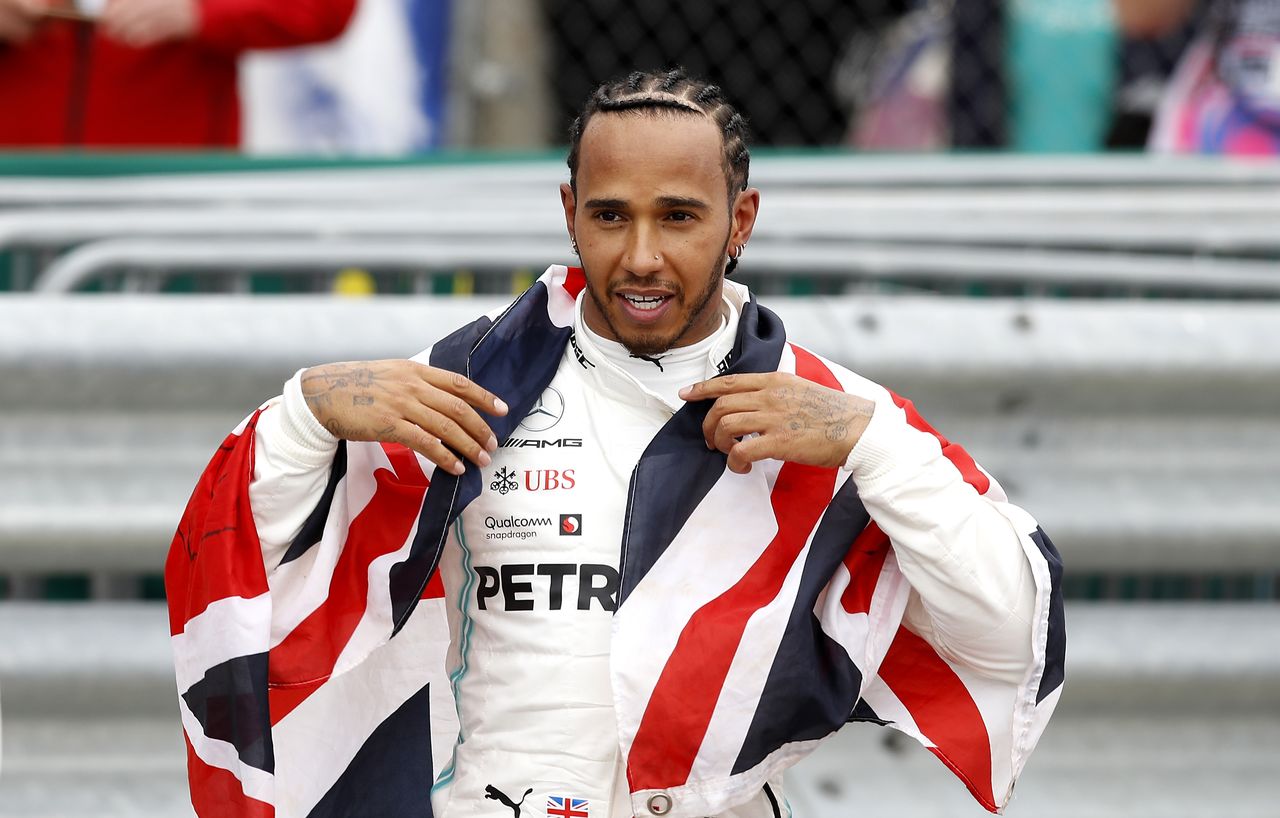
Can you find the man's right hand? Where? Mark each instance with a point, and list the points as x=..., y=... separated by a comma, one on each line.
x=432, y=411
x=19, y=18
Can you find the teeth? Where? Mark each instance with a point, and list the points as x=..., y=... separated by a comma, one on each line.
x=645, y=302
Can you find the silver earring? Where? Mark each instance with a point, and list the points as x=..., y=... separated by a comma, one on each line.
x=574, y=244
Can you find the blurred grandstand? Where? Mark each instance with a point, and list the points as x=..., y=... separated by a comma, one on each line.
x=1102, y=332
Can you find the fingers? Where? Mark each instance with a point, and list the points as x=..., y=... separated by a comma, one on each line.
x=725, y=385
x=731, y=416
x=452, y=415
x=124, y=20
x=443, y=407
x=142, y=23
x=463, y=387
x=736, y=426
x=430, y=410
x=475, y=446
x=429, y=447
x=18, y=20
x=748, y=451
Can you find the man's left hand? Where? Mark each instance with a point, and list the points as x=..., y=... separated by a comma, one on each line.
x=791, y=419
x=144, y=23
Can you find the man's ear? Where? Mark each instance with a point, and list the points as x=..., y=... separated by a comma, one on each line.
x=570, y=203
x=746, y=206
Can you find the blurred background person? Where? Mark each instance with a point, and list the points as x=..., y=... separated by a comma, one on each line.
x=140, y=73
x=989, y=74
x=1224, y=97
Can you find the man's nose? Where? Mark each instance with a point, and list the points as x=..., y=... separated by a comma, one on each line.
x=644, y=252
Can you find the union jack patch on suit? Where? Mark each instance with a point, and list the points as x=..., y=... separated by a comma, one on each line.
x=562, y=806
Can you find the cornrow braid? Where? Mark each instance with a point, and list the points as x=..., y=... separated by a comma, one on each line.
x=673, y=90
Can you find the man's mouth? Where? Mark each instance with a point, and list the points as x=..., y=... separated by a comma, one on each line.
x=644, y=302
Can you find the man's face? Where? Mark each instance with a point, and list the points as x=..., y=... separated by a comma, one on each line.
x=653, y=223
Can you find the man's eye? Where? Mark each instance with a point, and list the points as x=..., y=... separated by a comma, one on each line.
x=609, y=216
x=680, y=216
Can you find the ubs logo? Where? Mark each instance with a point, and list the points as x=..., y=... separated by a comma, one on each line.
x=546, y=412
x=504, y=480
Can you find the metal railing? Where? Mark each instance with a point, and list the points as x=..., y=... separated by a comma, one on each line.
x=150, y=261
x=1120, y=224
x=421, y=181
x=1138, y=432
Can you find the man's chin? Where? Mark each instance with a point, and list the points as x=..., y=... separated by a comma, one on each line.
x=647, y=344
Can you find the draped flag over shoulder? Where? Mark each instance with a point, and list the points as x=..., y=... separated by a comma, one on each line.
x=757, y=613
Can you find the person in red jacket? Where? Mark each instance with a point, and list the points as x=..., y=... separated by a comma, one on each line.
x=141, y=73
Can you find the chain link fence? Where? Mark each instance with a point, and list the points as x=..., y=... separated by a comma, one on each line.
x=871, y=74
x=778, y=59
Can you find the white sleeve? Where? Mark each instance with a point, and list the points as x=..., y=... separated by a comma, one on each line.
x=292, y=457
x=973, y=591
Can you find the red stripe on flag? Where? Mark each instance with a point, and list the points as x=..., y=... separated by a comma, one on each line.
x=955, y=453
x=217, y=793
x=942, y=709
x=310, y=650
x=679, y=711
x=215, y=552
x=575, y=281
x=406, y=464
x=864, y=561
x=283, y=698
x=434, y=589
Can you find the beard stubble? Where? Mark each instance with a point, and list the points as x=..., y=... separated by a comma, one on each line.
x=650, y=344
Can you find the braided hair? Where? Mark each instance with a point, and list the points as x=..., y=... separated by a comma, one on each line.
x=675, y=91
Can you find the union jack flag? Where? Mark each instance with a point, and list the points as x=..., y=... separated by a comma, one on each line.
x=560, y=806
x=731, y=655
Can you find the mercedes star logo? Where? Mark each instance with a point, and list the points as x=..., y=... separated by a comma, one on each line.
x=546, y=412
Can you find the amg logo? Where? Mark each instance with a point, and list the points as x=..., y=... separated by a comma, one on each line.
x=525, y=443
x=515, y=584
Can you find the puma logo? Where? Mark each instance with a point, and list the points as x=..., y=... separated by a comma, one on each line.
x=492, y=793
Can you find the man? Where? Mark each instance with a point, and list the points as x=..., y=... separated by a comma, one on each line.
x=134, y=73
x=649, y=552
